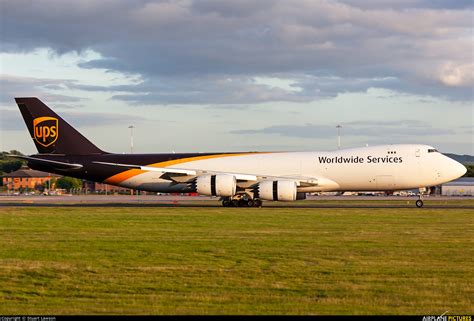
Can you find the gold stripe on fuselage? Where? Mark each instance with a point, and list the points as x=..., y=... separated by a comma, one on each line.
x=123, y=176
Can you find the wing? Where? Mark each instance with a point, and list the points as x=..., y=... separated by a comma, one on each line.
x=171, y=173
x=187, y=175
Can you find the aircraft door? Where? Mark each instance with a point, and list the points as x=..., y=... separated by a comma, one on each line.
x=418, y=161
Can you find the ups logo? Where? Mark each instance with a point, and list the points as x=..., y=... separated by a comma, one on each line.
x=46, y=130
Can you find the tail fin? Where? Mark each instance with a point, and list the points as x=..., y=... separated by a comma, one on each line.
x=51, y=134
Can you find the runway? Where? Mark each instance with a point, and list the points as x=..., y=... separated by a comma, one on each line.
x=440, y=202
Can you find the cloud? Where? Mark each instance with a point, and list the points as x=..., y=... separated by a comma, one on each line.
x=387, y=123
x=457, y=75
x=186, y=51
x=11, y=119
x=14, y=86
x=397, y=128
x=404, y=4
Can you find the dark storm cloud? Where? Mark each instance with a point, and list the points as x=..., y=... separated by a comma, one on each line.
x=402, y=128
x=186, y=51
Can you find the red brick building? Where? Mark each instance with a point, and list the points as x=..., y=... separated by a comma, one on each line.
x=26, y=179
x=92, y=187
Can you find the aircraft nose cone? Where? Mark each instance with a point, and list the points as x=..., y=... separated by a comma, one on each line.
x=462, y=169
x=458, y=169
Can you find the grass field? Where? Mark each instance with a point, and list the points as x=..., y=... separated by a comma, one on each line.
x=236, y=261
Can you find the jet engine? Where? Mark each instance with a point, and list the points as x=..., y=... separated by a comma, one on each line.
x=216, y=185
x=284, y=190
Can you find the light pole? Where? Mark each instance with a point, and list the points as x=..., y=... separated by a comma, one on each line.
x=131, y=138
x=339, y=136
x=131, y=146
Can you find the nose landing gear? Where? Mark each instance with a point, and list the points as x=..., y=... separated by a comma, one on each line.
x=419, y=202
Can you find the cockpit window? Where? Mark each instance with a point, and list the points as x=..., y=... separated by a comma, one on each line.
x=432, y=150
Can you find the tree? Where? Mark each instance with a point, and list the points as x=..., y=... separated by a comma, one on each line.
x=68, y=183
x=14, y=152
x=8, y=164
x=470, y=170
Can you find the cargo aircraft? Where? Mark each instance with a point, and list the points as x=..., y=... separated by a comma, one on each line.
x=239, y=179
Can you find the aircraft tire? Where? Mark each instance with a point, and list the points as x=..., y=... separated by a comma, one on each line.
x=242, y=203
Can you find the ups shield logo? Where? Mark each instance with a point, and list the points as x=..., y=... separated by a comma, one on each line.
x=46, y=130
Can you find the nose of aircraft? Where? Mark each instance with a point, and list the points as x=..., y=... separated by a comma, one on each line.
x=456, y=169
x=461, y=169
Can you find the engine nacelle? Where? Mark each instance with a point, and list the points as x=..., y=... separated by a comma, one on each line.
x=284, y=190
x=216, y=185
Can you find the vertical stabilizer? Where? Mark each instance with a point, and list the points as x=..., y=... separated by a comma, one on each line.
x=51, y=134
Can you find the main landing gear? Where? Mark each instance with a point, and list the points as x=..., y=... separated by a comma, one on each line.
x=241, y=200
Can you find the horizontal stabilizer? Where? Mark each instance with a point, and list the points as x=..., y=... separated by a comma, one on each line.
x=54, y=164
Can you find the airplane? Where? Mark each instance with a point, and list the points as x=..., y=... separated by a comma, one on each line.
x=240, y=179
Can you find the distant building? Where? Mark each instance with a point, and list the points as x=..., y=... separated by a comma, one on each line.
x=94, y=187
x=463, y=186
x=26, y=179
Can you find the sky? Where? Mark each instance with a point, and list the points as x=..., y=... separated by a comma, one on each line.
x=244, y=75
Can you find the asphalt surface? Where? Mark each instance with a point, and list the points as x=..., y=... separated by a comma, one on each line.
x=203, y=201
